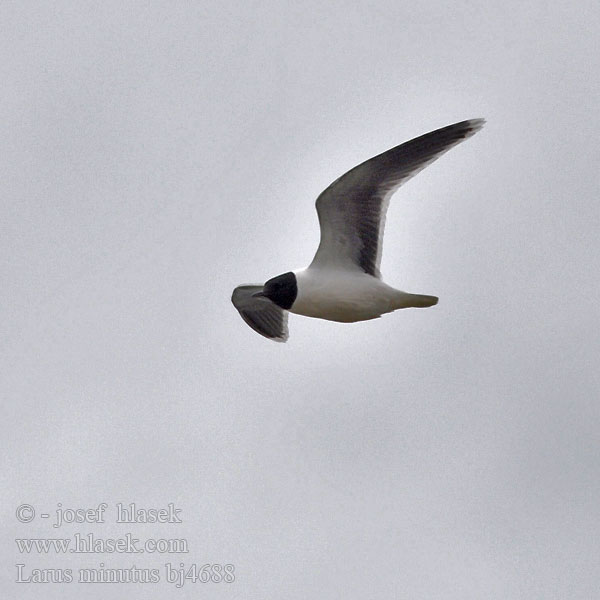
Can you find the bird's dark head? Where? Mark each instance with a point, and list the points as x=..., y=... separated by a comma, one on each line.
x=282, y=290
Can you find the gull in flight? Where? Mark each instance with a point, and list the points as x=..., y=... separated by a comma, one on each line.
x=343, y=282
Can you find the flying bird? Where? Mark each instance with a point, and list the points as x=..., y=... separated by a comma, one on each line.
x=343, y=282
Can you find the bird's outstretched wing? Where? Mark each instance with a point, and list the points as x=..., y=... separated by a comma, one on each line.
x=352, y=209
x=260, y=313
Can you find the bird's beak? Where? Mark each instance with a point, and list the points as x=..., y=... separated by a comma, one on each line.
x=259, y=295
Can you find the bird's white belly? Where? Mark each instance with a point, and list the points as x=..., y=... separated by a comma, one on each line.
x=345, y=297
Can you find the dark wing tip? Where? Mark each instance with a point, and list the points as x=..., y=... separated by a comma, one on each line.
x=470, y=127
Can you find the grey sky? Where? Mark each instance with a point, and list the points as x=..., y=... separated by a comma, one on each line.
x=157, y=155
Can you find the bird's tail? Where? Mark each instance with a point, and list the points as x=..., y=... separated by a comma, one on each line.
x=419, y=301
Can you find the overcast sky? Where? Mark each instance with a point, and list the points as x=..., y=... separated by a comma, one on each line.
x=156, y=155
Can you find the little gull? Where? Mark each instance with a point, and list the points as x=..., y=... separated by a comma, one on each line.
x=343, y=282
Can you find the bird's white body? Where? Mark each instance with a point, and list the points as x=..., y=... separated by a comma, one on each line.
x=349, y=295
